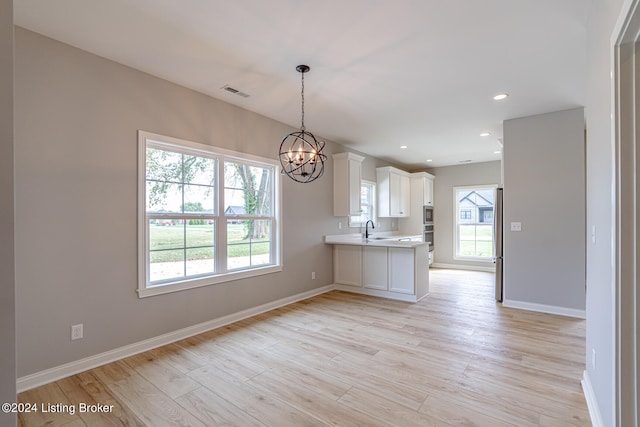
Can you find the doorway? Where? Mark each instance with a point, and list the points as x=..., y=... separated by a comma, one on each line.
x=627, y=235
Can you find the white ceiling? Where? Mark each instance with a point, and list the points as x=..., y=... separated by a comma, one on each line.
x=420, y=73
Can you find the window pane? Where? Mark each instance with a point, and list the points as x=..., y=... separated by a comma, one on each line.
x=238, y=256
x=166, y=233
x=165, y=265
x=198, y=199
x=248, y=243
x=199, y=233
x=233, y=202
x=260, y=230
x=260, y=253
x=248, y=187
x=163, y=197
x=200, y=261
x=163, y=165
x=199, y=170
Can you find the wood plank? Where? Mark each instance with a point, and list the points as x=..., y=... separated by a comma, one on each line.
x=267, y=407
x=326, y=410
x=457, y=414
x=151, y=405
x=389, y=412
x=48, y=405
x=213, y=410
x=161, y=374
x=87, y=388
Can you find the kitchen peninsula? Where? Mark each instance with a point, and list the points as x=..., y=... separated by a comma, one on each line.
x=393, y=267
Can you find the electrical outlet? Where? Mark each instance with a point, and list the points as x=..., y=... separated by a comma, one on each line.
x=313, y=275
x=516, y=226
x=339, y=225
x=593, y=234
x=76, y=332
x=593, y=358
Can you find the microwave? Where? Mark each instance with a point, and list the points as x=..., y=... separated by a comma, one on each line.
x=427, y=217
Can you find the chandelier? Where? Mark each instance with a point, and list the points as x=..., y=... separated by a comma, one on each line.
x=301, y=154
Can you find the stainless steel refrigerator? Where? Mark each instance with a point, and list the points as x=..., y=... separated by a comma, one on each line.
x=497, y=243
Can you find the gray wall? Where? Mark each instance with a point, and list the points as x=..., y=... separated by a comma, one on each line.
x=76, y=118
x=7, y=280
x=448, y=177
x=600, y=282
x=544, y=189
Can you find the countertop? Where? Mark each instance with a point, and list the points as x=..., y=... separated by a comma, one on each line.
x=379, y=239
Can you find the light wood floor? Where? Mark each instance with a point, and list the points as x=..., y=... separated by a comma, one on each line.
x=455, y=359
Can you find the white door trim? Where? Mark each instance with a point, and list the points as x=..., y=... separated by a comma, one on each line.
x=626, y=130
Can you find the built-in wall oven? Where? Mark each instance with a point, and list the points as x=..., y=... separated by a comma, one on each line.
x=427, y=219
x=428, y=235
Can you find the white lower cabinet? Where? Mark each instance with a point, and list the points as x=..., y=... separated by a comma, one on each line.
x=375, y=268
x=347, y=265
x=390, y=272
x=401, y=274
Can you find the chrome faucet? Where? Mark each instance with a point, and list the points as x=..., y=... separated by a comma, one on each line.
x=366, y=228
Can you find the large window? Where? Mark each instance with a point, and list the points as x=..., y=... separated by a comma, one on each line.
x=474, y=222
x=185, y=238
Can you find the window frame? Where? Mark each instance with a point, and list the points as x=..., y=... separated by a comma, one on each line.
x=245, y=216
x=456, y=224
x=221, y=273
x=357, y=224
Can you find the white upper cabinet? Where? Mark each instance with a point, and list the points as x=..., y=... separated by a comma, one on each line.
x=428, y=191
x=394, y=192
x=347, y=169
x=425, y=181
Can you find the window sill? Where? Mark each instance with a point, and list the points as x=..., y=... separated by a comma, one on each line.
x=206, y=281
x=474, y=259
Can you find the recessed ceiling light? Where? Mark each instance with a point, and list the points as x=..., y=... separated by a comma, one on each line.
x=485, y=134
x=403, y=146
x=497, y=152
x=500, y=96
x=429, y=160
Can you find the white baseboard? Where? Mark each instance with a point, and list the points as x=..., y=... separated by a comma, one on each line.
x=53, y=374
x=543, y=308
x=376, y=293
x=463, y=267
x=592, y=403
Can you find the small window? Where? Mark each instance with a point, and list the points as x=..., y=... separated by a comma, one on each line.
x=473, y=233
x=367, y=204
x=185, y=238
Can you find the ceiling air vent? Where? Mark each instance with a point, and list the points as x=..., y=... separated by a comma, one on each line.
x=234, y=91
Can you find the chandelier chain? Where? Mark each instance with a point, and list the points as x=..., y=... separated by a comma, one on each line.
x=302, y=127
